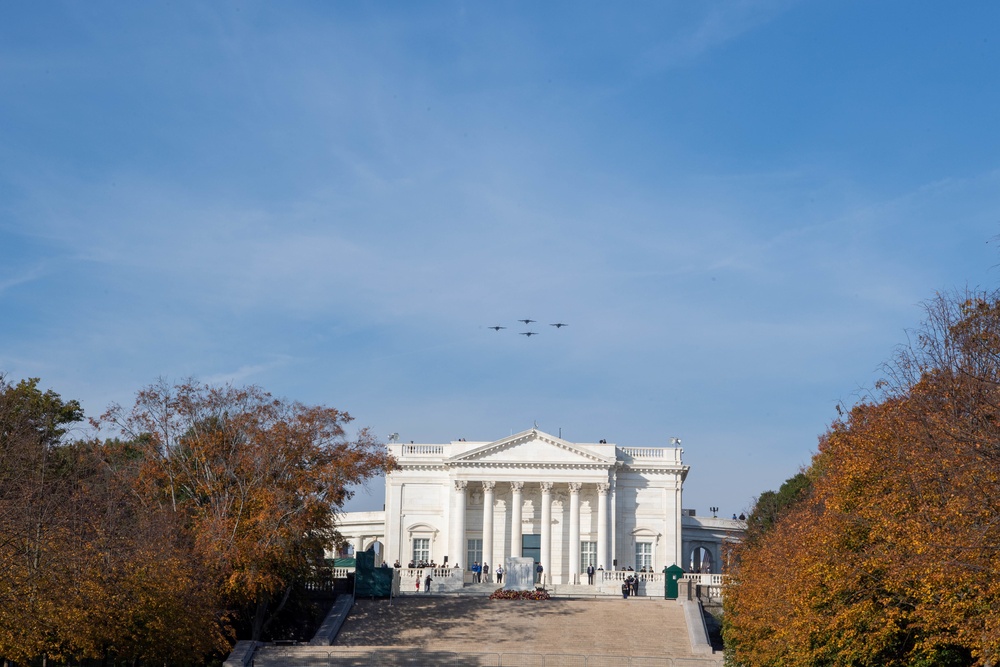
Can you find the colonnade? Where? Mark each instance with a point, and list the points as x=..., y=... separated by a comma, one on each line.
x=458, y=528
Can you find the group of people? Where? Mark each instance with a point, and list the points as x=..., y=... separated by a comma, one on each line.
x=644, y=568
x=481, y=572
x=630, y=586
x=427, y=582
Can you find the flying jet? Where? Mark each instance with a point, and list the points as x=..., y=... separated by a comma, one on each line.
x=529, y=334
x=496, y=328
x=526, y=321
x=559, y=325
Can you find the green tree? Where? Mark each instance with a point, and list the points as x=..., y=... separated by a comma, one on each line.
x=771, y=505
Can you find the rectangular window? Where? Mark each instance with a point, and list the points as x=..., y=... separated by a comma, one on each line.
x=475, y=554
x=643, y=555
x=531, y=547
x=588, y=555
x=421, y=549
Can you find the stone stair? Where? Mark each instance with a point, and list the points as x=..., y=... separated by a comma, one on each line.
x=605, y=626
x=423, y=628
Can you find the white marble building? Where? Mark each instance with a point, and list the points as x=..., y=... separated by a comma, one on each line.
x=533, y=494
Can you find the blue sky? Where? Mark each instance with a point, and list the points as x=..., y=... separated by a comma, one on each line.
x=738, y=208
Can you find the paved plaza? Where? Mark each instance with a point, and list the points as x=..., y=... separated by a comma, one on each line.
x=641, y=627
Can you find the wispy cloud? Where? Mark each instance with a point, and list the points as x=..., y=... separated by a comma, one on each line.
x=246, y=374
x=18, y=278
x=711, y=28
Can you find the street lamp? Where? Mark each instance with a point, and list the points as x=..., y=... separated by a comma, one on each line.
x=714, y=511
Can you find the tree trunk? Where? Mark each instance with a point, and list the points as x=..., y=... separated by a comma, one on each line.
x=262, y=620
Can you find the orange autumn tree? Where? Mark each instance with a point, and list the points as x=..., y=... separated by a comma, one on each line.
x=256, y=479
x=891, y=557
x=137, y=588
x=85, y=570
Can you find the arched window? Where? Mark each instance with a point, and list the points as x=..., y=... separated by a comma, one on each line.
x=379, y=549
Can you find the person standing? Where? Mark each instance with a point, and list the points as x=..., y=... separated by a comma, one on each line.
x=590, y=575
x=486, y=572
x=539, y=570
x=499, y=574
x=427, y=582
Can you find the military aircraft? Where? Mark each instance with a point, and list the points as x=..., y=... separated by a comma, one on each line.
x=529, y=334
x=496, y=328
x=527, y=321
x=559, y=325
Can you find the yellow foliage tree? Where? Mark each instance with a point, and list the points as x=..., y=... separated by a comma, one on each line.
x=890, y=560
x=217, y=503
x=256, y=479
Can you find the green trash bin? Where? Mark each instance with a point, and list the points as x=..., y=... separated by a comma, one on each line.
x=671, y=576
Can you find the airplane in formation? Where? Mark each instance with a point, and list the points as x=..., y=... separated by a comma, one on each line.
x=529, y=334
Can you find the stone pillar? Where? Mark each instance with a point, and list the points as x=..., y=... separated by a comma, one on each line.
x=613, y=524
x=458, y=545
x=359, y=545
x=488, y=526
x=574, y=532
x=679, y=550
x=602, y=526
x=515, y=518
x=546, y=555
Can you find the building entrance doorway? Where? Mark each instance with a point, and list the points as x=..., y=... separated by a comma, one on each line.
x=531, y=547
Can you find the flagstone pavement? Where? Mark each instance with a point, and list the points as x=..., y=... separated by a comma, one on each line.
x=461, y=624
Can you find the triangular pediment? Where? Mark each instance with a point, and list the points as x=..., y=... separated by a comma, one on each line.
x=531, y=447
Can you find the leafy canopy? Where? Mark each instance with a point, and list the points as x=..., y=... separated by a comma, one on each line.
x=889, y=558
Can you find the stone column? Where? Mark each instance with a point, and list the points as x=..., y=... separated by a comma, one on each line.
x=602, y=526
x=488, y=526
x=679, y=549
x=546, y=555
x=574, y=532
x=613, y=523
x=359, y=545
x=458, y=546
x=515, y=518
